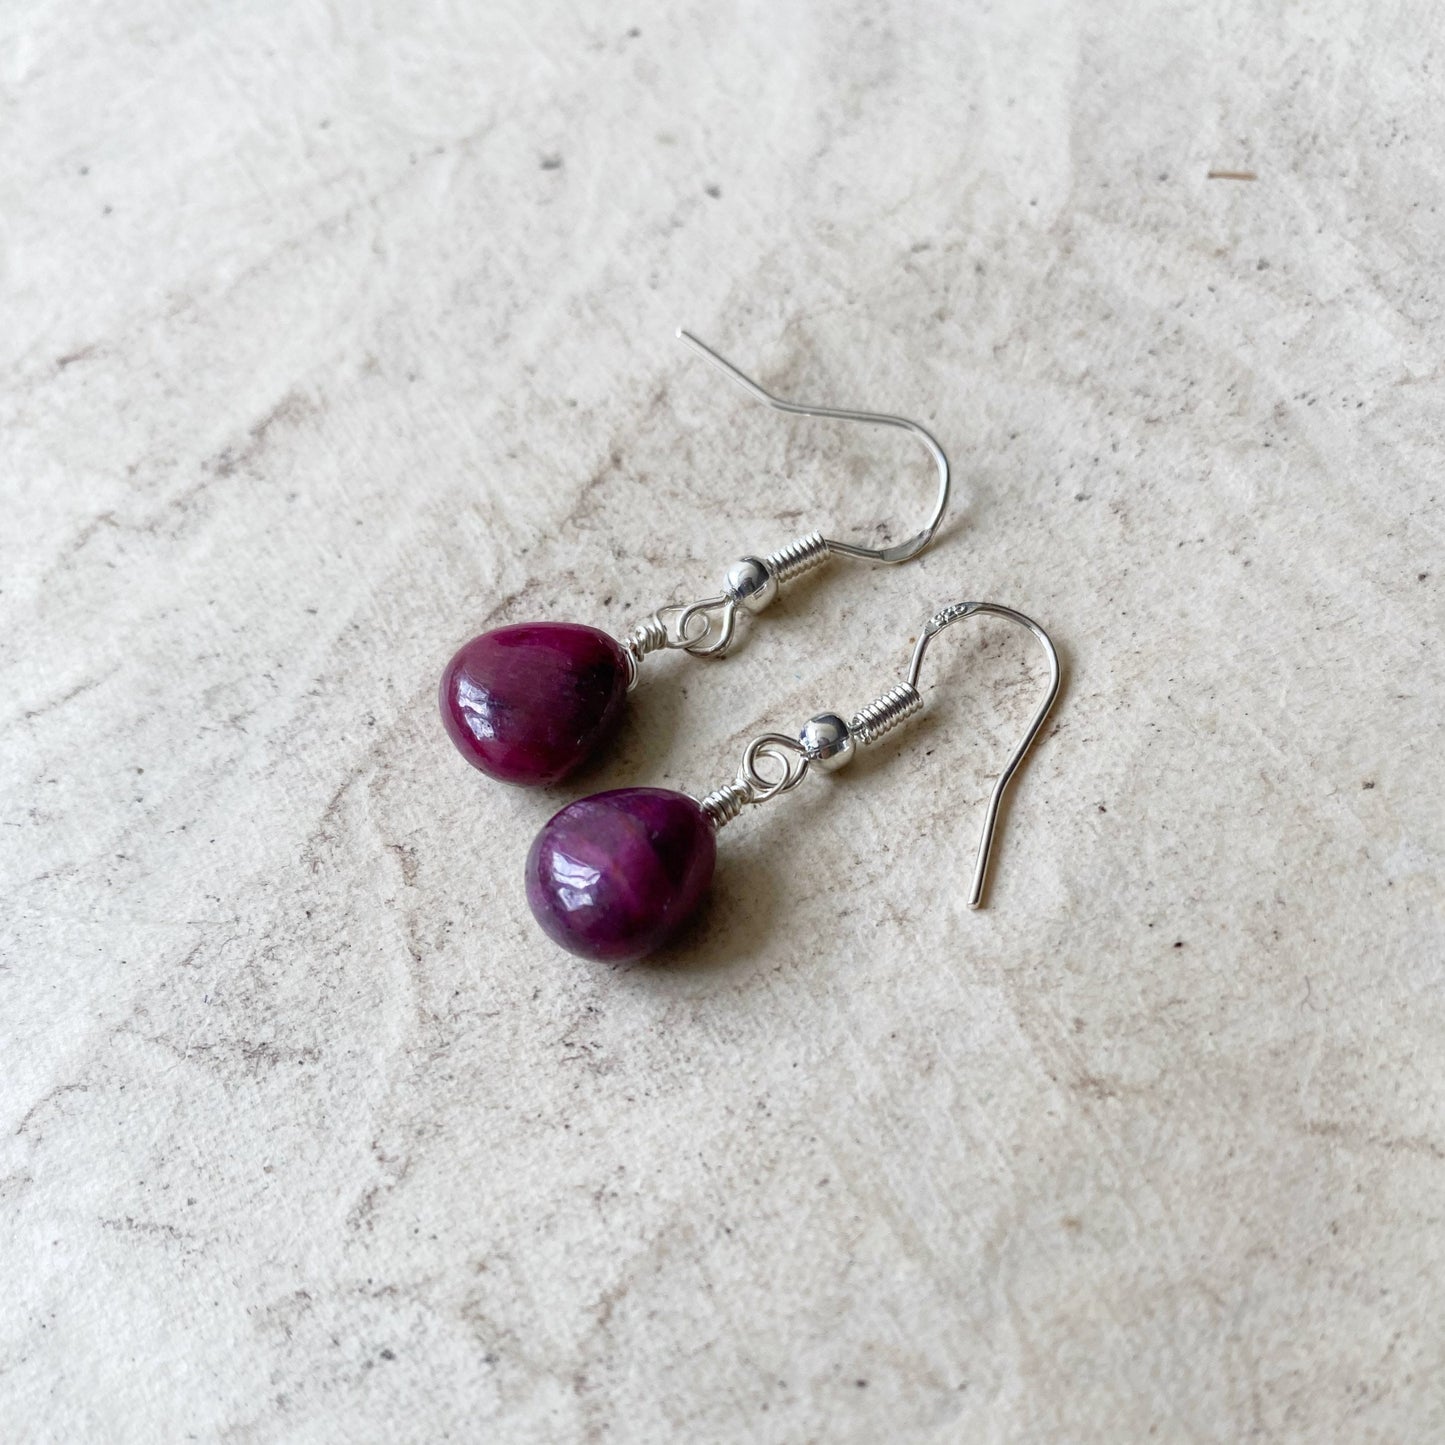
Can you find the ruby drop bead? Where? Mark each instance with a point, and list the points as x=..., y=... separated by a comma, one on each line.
x=614, y=876
x=529, y=704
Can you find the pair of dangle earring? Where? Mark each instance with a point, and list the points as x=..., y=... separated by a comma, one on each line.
x=530, y=703
x=616, y=875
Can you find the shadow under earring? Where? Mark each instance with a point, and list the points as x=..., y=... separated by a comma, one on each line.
x=530, y=703
x=614, y=876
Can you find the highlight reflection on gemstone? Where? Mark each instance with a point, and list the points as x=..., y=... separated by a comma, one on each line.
x=528, y=704
x=616, y=875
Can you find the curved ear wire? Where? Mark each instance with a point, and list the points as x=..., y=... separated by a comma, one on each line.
x=931, y=629
x=899, y=552
x=828, y=743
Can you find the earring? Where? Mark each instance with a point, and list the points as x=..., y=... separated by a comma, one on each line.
x=530, y=703
x=615, y=875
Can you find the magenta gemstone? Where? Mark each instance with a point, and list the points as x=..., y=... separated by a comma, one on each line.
x=615, y=875
x=528, y=704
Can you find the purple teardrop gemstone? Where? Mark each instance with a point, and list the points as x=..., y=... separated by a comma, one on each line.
x=615, y=875
x=528, y=704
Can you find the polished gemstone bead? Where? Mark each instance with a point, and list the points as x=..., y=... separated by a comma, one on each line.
x=615, y=875
x=528, y=704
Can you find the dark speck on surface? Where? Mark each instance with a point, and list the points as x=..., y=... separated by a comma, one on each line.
x=552, y=162
x=388, y=1354
x=714, y=191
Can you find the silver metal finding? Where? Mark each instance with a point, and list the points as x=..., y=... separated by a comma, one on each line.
x=752, y=785
x=901, y=551
x=828, y=743
x=931, y=629
x=706, y=628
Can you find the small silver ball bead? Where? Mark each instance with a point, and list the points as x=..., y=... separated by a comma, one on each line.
x=749, y=583
x=827, y=742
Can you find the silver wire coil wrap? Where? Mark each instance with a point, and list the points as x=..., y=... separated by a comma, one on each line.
x=649, y=635
x=798, y=558
x=752, y=785
x=885, y=713
x=723, y=804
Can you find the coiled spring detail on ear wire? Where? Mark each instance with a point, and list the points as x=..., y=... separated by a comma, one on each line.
x=885, y=713
x=797, y=559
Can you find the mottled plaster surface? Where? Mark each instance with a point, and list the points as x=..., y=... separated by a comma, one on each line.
x=333, y=334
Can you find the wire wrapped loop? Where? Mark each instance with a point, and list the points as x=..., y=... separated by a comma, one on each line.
x=780, y=749
x=773, y=763
x=703, y=628
x=706, y=628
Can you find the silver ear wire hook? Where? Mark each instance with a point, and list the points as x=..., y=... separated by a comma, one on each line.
x=827, y=742
x=706, y=628
x=901, y=551
x=932, y=628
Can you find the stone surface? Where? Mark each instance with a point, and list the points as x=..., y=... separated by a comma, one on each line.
x=616, y=875
x=530, y=703
x=333, y=333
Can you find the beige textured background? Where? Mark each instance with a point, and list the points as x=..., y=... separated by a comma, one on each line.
x=332, y=334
